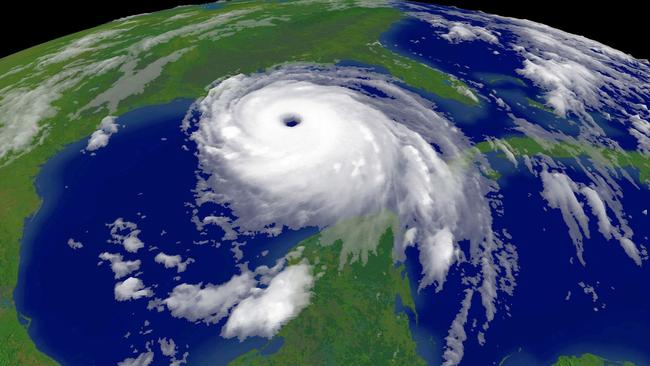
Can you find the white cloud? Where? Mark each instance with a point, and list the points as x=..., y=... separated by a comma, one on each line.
x=640, y=129
x=178, y=362
x=131, y=289
x=87, y=43
x=132, y=243
x=569, y=83
x=210, y=303
x=631, y=250
x=577, y=74
x=133, y=81
x=365, y=163
x=559, y=191
x=26, y=105
x=266, y=310
x=193, y=29
x=464, y=90
x=457, y=31
x=436, y=256
x=506, y=149
x=224, y=223
x=100, y=138
x=126, y=233
x=167, y=347
x=454, y=350
x=460, y=32
x=143, y=359
x=360, y=236
x=589, y=290
x=119, y=266
x=598, y=210
x=171, y=261
x=75, y=244
x=24, y=108
x=268, y=296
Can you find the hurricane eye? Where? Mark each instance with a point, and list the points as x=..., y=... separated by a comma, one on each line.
x=291, y=120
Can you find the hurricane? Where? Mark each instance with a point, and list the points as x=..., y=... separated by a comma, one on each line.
x=306, y=146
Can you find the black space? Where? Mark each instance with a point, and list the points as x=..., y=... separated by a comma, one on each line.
x=618, y=24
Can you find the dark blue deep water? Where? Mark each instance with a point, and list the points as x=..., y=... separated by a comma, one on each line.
x=542, y=325
x=144, y=176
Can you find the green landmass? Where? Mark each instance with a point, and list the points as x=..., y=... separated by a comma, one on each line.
x=521, y=145
x=296, y=33
x=352, y=317
x=588, y=359
x=535, y=104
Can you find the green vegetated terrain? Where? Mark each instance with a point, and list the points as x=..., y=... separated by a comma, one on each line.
x=267, y=34
x=352, y=317
x=522, y=145
x=568, y=149
x=588, y=359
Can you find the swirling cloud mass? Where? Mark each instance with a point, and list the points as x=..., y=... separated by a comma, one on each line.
x=296, y=147
x=303, y=146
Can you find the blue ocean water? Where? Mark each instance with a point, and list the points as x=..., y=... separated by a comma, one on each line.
x=144, y=176
x=541, y=324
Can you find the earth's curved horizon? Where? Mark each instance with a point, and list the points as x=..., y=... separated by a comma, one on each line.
x=324, y=182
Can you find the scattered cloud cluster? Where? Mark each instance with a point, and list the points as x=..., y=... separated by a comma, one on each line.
x=126, y=233
x=119, y=266
x=560, y=192
x=143, y=359
x=266, y=310
x=640, y=129
x=457, y=31
x=100, y=138
x=454, y=349
x=73, y=244
x=169, y=349
x=255, y=303
x=131, y=289
x=209, y=303
x=173, y=261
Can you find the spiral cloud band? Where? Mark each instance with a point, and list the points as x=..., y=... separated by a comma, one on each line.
x=300, y=146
